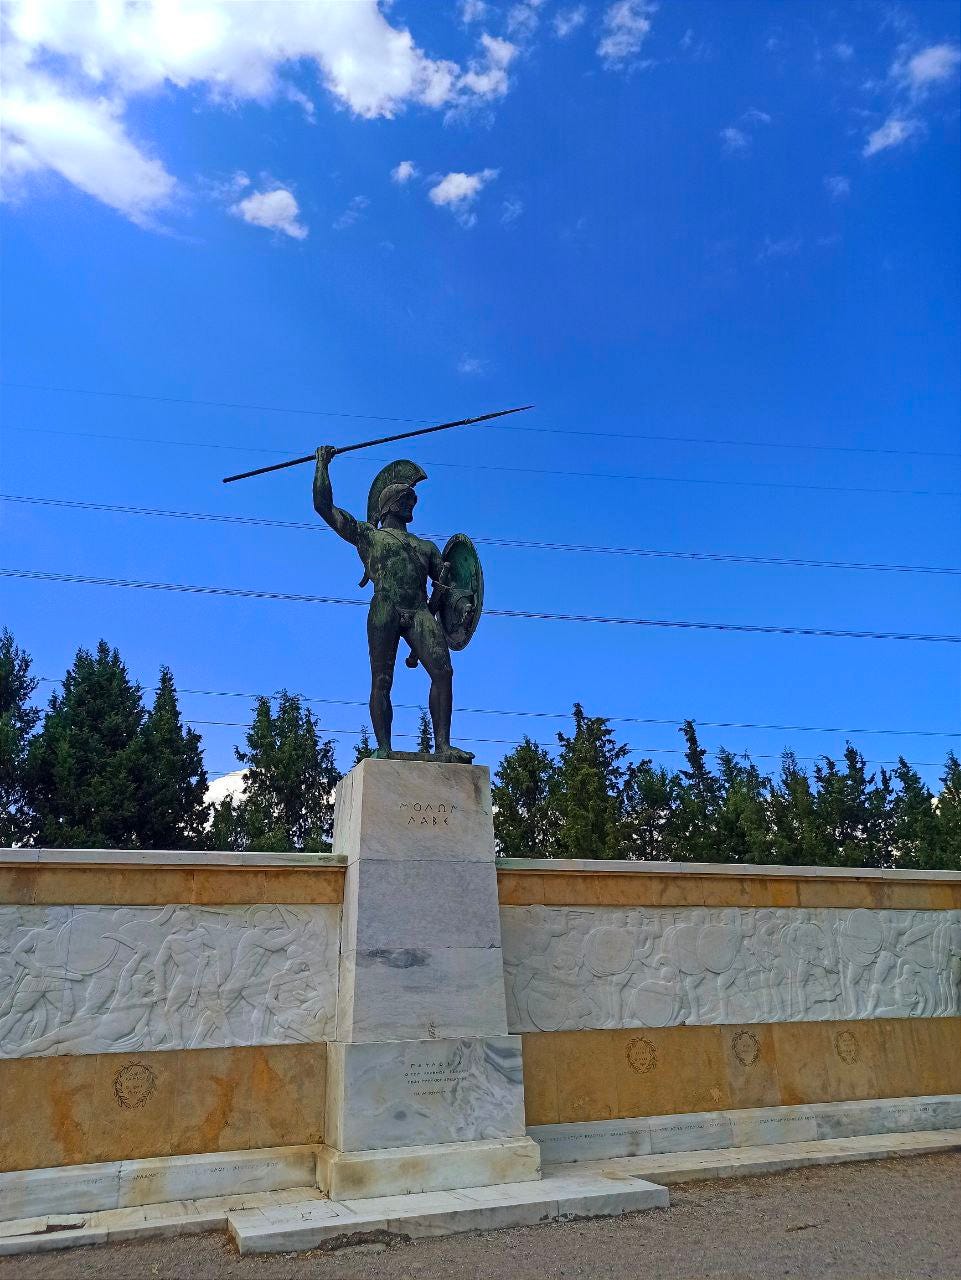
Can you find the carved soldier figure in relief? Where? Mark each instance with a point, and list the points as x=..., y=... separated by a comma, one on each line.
x=400, y=565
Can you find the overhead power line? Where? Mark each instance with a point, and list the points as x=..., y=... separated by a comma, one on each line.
x=377, y=417
x=43, y=575
x=516, y=742
x=521, y=544
x=474, y=467
x=566, y=715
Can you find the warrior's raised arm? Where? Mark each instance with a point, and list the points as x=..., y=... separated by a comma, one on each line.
x=342, y=522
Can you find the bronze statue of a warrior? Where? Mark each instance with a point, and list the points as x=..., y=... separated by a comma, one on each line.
x=399, y=564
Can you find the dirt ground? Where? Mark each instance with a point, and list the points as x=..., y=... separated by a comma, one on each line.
x=896, y=1219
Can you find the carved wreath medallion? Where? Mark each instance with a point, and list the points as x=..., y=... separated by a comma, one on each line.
x=133, y=1085
x=846, y=1046
x=746, y=1048
x=641, y=1056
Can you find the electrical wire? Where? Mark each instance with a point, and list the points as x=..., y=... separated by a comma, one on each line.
x=523, y=544
x=376, y=417
x=532, y=471
x=43, y=575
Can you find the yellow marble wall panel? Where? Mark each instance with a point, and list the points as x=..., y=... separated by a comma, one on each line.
x=143, y=885
x=668, y=1070
x=540, y=1078
x=750, y=1065
x=649, y=889
x=586, y=1085
x=659, y=1072
x=85, y=1109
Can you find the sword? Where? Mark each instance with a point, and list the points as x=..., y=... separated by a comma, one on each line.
x=366, y=444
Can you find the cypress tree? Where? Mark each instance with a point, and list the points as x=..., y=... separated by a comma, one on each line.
x=853, y=812
x=291, y=776
x=86, y=765
x=18, y=719
x=949, y=816
x=743, y=827
x=524, y=824
x=173, y=813
x=364, y=748
x=425, y=738
x=649, y=796
x=587, y=791
x=692, y=828
x=796, y=837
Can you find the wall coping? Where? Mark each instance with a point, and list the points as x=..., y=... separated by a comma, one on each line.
x=582, y=866
x=164, y=858
x=539, y=866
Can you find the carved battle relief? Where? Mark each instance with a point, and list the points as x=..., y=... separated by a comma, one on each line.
x=577, y=968
x=76, y=980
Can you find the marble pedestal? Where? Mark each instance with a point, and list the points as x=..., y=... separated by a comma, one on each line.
x=424, y=1085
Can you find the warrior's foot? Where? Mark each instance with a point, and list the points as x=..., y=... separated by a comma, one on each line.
x=453, y=755
x=383, y=753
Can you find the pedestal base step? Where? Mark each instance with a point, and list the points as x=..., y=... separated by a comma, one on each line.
x=745, y=1162
x=333, y=1224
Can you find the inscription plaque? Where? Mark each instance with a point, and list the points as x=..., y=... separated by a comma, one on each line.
x=417, y=813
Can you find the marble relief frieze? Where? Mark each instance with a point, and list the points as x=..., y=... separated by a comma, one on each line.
x=79, y=980
x=573, y=968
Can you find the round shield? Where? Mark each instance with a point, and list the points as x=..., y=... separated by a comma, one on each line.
x=400, y=472
x=461, y=604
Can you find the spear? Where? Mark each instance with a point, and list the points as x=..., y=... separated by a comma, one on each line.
x=366, y=444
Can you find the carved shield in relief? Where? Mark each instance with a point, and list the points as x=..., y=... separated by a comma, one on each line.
x=463, y=601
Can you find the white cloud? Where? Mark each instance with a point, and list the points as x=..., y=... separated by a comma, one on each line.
x=458, y=191
x=511, y=210
x=734, y=140
x=487, y=77
x=892, y=133
x=404, y=171
x=626, y=25
x=523, y=18
x=566, y=21
x=277, y=210
x=353, y=213
x=753, y=116
x=84, y=141
x=471, y=365
x=787, y=247
x=933, y=65
x=473, y=11
x=837, y=186
x=72, y=67
x=843, y=51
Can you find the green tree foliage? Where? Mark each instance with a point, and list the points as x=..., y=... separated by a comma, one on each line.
x=949, y=816
x=173, y=811
x=649, y=796
x=524, y=820
x=364, y=748
x=692, y=831
x=18, y=719
x=796, y=838
x=914, y=820
x=425, y=738
x=290, y=776
x=586, y=791
x=853, y=812
x=743, y=827
x=86, y=766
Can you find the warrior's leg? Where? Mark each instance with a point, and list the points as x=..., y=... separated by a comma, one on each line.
x=428, y=641
x=383, y=633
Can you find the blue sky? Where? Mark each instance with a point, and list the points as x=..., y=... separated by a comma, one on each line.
x=666, y=226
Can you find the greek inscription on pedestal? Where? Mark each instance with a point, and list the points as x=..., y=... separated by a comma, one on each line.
x=746, y=1048
x=417, y=813
x=426, y=1078
x=847, y=1048
x=641, y=1056
x=133, y=1085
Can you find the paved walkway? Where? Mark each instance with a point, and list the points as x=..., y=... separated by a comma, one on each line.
x=882, y=1220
